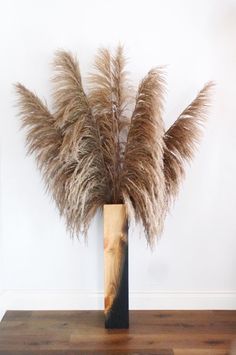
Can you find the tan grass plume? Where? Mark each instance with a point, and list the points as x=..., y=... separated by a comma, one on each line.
x=92, y=151
x=143, y=180
x=182, y=138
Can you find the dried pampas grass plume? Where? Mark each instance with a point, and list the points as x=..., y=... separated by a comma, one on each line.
x=108, y=98
x=92, y=151
x=182, y=138
x=143, y=180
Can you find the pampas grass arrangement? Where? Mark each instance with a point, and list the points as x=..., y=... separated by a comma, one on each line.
x=92, y=150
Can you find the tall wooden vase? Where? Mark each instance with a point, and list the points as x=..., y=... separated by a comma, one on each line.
x=116, y=302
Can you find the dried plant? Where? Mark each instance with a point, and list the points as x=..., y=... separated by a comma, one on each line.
x=143, y=181
x=181, y=140
x=93, y=152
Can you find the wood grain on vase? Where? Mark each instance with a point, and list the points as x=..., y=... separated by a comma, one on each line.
x=116, y=304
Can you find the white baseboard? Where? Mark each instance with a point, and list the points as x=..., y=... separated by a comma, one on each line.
x=78, y=300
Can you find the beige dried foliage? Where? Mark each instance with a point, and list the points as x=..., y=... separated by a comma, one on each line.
x=108, y=98
x=143, y=181
x=43, y=139
x=92, y=151
x=182, y=138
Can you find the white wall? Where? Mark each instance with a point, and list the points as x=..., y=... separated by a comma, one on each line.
x=194, y=265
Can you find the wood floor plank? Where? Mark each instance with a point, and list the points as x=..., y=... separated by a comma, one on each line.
x=150, y=332
x=90, y=352
x=201, y=352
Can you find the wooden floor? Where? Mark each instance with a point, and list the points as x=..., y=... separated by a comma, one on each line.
x=151, y=332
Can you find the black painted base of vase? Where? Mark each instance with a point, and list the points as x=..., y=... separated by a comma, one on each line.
x=118, y=315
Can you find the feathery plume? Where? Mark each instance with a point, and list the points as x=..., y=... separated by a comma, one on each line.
x=182, y=138
x=92, y=152
x=108, y=98
x=43, y=139
x=86, y=188
x=143, y=183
